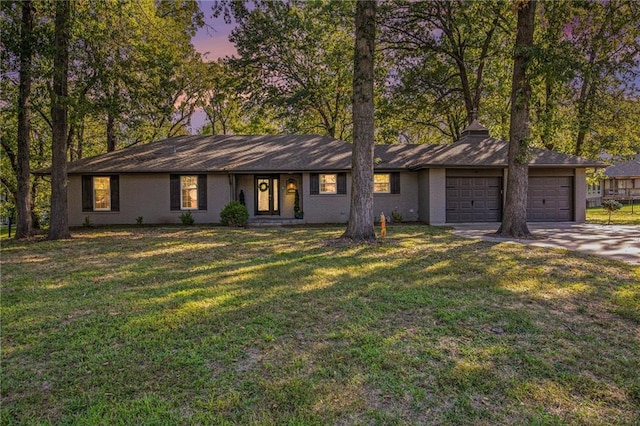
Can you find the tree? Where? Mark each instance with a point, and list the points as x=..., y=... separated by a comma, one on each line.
x=23, y=196
x=555, y=72
x=606, y=37
x=360, y=226
x=443, y=50
x=59, y=226
x=137, y=73
x=293, y=55
x=590, y=67
x=611, y=206
x=133, y=76
x=514, y=221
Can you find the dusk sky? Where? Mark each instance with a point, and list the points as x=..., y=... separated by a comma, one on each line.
x=213, y=39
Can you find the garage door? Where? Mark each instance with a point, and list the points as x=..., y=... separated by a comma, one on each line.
x=474, y=199
x=550, y=199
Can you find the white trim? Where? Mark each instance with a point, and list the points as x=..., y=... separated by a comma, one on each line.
x=93, y=194
x=388, y=175
x=182, y=193
x=335, y=176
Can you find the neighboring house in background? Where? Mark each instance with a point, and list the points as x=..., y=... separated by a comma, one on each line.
x=621, y=183
x=435, y=184
x=594, y=194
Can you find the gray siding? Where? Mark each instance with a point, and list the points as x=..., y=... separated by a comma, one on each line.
x=423, y=196
x=147, y=195
x=406, y=202
x=437, y=197
x=245, y=183
x=325, y=208
x=432, y=196
x=580, y=188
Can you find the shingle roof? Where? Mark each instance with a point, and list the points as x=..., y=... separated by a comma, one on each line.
x=474, y=151
x=475, y=129
x=624, y=170
x=288, y=153
x=223, y=153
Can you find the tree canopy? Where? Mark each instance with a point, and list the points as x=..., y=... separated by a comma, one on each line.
x=134, y=75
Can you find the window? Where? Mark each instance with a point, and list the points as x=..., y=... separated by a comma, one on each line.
x=188, y=192
x=328, y=184
x=101, y=193
x=386, y=183
x=382, y=183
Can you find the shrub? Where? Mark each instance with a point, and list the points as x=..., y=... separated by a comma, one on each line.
x=396, y=216
x=611, y=206
x=187, y=218
x=234, y=214
x=87, y=222
x=139, y=220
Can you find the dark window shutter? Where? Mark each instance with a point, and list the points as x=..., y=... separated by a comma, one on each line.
x=202, y=192
x=314, y=184
x=174, y=191
x=114, y=185
x=87, y=193
x=342, y=183
x=395, y=182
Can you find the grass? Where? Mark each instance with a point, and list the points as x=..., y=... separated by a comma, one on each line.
x=228, y=326
x=625, y=216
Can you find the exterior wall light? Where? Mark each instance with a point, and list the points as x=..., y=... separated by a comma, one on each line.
x=292, y=186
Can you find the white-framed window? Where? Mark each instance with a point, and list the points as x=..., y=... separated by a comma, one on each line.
x=101, y=193
x=382, y=183
x=328, y=183
x=189, y=192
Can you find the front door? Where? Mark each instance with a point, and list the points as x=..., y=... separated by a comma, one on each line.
x=267, y=195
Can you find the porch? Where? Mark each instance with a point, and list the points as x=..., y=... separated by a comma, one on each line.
x=622, y=194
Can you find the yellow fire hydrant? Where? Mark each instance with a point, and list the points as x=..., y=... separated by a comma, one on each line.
x=383, y=225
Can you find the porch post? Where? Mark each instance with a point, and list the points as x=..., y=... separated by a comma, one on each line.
x=232, y=187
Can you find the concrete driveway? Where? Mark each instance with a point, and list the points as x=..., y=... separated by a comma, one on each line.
x=618, y=242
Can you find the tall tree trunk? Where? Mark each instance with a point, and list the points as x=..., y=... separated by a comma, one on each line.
x=23, y=199
x=360, y=226
x=80, y=139
x=548, y=114
x=59, y=227
x=111, y=132
x=585, y=113
x=35, y=220
x=514, y=221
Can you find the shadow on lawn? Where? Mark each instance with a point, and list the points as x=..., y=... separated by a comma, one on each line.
x=275, y=326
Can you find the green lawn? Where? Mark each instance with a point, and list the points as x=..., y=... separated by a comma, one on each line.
x=625, y=216
x=285, y=326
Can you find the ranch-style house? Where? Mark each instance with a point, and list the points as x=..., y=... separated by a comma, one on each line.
x=436, y=184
